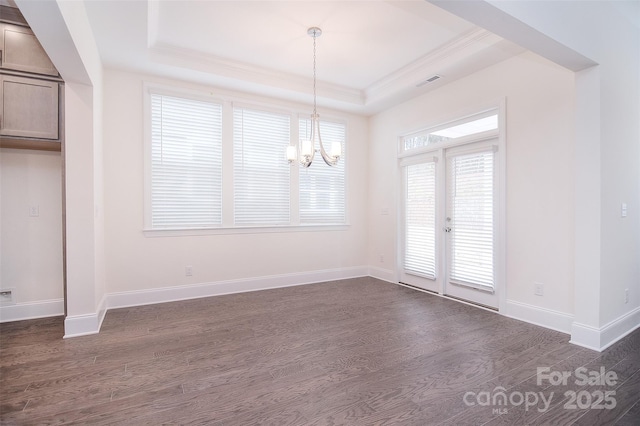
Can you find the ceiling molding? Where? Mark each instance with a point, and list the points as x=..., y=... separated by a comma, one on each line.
x=432, y=63
x=186, y=58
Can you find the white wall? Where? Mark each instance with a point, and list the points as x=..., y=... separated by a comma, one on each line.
x=31, y=247
x=607, y=255
x=63, y=29
x=539, y=199
x=136, y=262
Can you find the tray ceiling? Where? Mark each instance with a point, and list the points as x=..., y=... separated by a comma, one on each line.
x=371, y=54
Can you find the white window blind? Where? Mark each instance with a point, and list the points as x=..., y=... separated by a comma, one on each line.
x=420, y=221
x=260, y=170
x=471, y=210
x=186, y=163
x=322, y=188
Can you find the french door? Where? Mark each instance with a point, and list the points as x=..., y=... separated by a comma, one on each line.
x=449, y=222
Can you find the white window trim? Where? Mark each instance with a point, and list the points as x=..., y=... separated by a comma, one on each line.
x=486, y=112
x=242, y=230
x=148, y=89
x=227, y=227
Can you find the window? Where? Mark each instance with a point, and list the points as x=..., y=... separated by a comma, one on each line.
x=261, y=181
x=451, y=132
x=215, y=166
x=322, y=188
x=186, y=163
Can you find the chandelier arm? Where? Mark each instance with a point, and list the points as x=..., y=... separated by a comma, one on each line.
x=313, y=140
x=329, y=159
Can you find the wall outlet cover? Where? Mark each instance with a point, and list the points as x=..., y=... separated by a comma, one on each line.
x=7, y=296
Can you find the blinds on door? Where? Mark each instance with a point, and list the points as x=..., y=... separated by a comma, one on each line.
x=186, y=163
x=471, y=211
x=420, y=221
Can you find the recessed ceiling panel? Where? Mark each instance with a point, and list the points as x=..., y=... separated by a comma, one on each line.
x=371, y=54
x=362, y=41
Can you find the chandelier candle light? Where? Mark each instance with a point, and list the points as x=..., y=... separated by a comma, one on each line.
x=307, y=147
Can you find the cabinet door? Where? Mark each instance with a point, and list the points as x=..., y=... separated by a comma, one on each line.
x=21, y=51
x=29, y=107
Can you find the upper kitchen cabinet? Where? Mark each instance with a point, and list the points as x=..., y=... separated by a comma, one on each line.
x=21, y=51
x=30, y=95
x=29, y=108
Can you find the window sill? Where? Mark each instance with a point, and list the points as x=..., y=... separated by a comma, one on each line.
x=187, y=232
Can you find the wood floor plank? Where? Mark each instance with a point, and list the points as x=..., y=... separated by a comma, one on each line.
x=355, y=352
x=630, y=418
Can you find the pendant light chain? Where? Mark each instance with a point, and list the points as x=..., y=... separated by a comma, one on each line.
x=314, y=73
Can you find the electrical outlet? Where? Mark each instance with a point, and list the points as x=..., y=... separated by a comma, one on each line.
x=381, y=259
x=538, y=289
x=188, y=271
x=6, y=297
x=34, y=211
x=626, y=295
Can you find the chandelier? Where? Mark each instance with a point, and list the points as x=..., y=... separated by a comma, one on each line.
x=307, y=148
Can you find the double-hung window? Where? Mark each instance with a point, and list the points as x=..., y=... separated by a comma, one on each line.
x=322, y=188
x=261, y=181
x=186, y=163
x=217, y=164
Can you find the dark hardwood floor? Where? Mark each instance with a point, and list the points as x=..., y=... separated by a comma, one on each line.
x=356, y=352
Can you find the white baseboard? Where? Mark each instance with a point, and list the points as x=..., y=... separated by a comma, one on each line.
x=601, y=338
x=548, y=318
x=383, y=274
x=218, y=288
x=32, y=310
x=82, y=325
x=585, y=336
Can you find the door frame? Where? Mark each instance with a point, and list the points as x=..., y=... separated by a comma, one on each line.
x=438, y=150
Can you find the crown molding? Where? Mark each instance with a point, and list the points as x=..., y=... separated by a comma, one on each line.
x=167, y=54
x=434, y=62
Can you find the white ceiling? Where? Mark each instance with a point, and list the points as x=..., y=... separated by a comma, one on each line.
x=371, y=54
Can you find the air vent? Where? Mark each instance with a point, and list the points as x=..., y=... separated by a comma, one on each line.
x=429, y=80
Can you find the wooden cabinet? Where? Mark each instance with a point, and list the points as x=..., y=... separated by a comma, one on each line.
x=21, y=51
x=29, y=107
x=29, y=91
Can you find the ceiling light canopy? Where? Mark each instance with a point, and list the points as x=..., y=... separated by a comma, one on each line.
x=306, y=150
